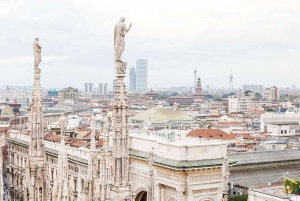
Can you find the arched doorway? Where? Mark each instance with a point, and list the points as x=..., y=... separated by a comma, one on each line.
x=141, y=196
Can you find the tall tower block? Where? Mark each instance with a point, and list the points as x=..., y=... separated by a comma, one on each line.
x=231, y=83
x=195, y=79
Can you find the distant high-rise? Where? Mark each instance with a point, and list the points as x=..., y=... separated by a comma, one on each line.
x=88, y=87
x=105, y=88
x=271, y=93
x=231, y=79
x=114, y=84
x=253, y=87
x=100, y=88
x=195, y=84
x=141, y=75
x=132, y=79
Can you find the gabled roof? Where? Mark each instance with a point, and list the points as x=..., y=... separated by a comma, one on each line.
x=216, y=134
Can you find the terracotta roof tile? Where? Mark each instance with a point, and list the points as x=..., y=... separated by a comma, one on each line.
x=216, y=134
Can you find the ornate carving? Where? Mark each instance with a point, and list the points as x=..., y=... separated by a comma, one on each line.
x=167, y=176
x=204, y=178
x=120, y=68
x=204, y=191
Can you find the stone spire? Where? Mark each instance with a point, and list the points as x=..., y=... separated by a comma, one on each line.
x=92, y=184
x=1, y=176
x=121, y=190
x=37, y=171
x=93, y=126
x=62, y=181
x=150, y=193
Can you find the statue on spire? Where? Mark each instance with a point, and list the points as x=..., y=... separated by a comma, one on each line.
x=37, y=49
x=120, y=29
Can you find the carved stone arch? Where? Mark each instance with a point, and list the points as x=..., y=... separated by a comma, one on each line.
x=172, y=198
x=141, y=194
x=140, y=189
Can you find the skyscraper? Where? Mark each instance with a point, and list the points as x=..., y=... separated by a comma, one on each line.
x=231, y=79
x=100, y=88
x=141, y=75
x=114, y=84
x=195, y=73
x=105, y=88
x=88, y=87
x=132, y=79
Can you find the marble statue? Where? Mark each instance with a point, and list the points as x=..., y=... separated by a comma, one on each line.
x=37, y=49
x=120, y=29
x=225, y=168
x=62, y=123
x=151, y=157
x=225, y=175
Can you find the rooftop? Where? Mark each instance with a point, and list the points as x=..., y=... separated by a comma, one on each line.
x=161, y=114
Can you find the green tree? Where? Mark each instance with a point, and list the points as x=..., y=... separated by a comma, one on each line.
x=225, y=96
x=209, y=96
x=174, y=94
x=232, y=93
x=218, y=99
x=238, y=197
x=162, y=96
x=258, y=95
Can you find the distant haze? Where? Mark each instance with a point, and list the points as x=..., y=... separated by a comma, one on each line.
x=258, y=40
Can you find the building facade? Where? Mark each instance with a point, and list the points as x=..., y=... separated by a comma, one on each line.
x=52, y=92
x=141, y=75
x=239, y=104
x=253, y=87
x=69, y=93
x=271, y=93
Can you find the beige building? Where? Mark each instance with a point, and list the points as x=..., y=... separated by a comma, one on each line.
x=271, y=93
x=239, y=104
x=69, y=93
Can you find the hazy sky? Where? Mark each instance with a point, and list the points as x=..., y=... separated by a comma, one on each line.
x=258, y=40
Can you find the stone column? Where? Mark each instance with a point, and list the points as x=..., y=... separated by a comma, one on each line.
x=162, y=193
x=180, y=194
x=158, y=192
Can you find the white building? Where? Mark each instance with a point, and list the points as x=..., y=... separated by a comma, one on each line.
x=211, y=104
x=239, y=104
x=253, y=87
x=291, y=119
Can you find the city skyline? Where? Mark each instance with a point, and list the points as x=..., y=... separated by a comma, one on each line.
x=256, y=40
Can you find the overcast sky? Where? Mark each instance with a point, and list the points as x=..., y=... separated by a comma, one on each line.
x=258, y=40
